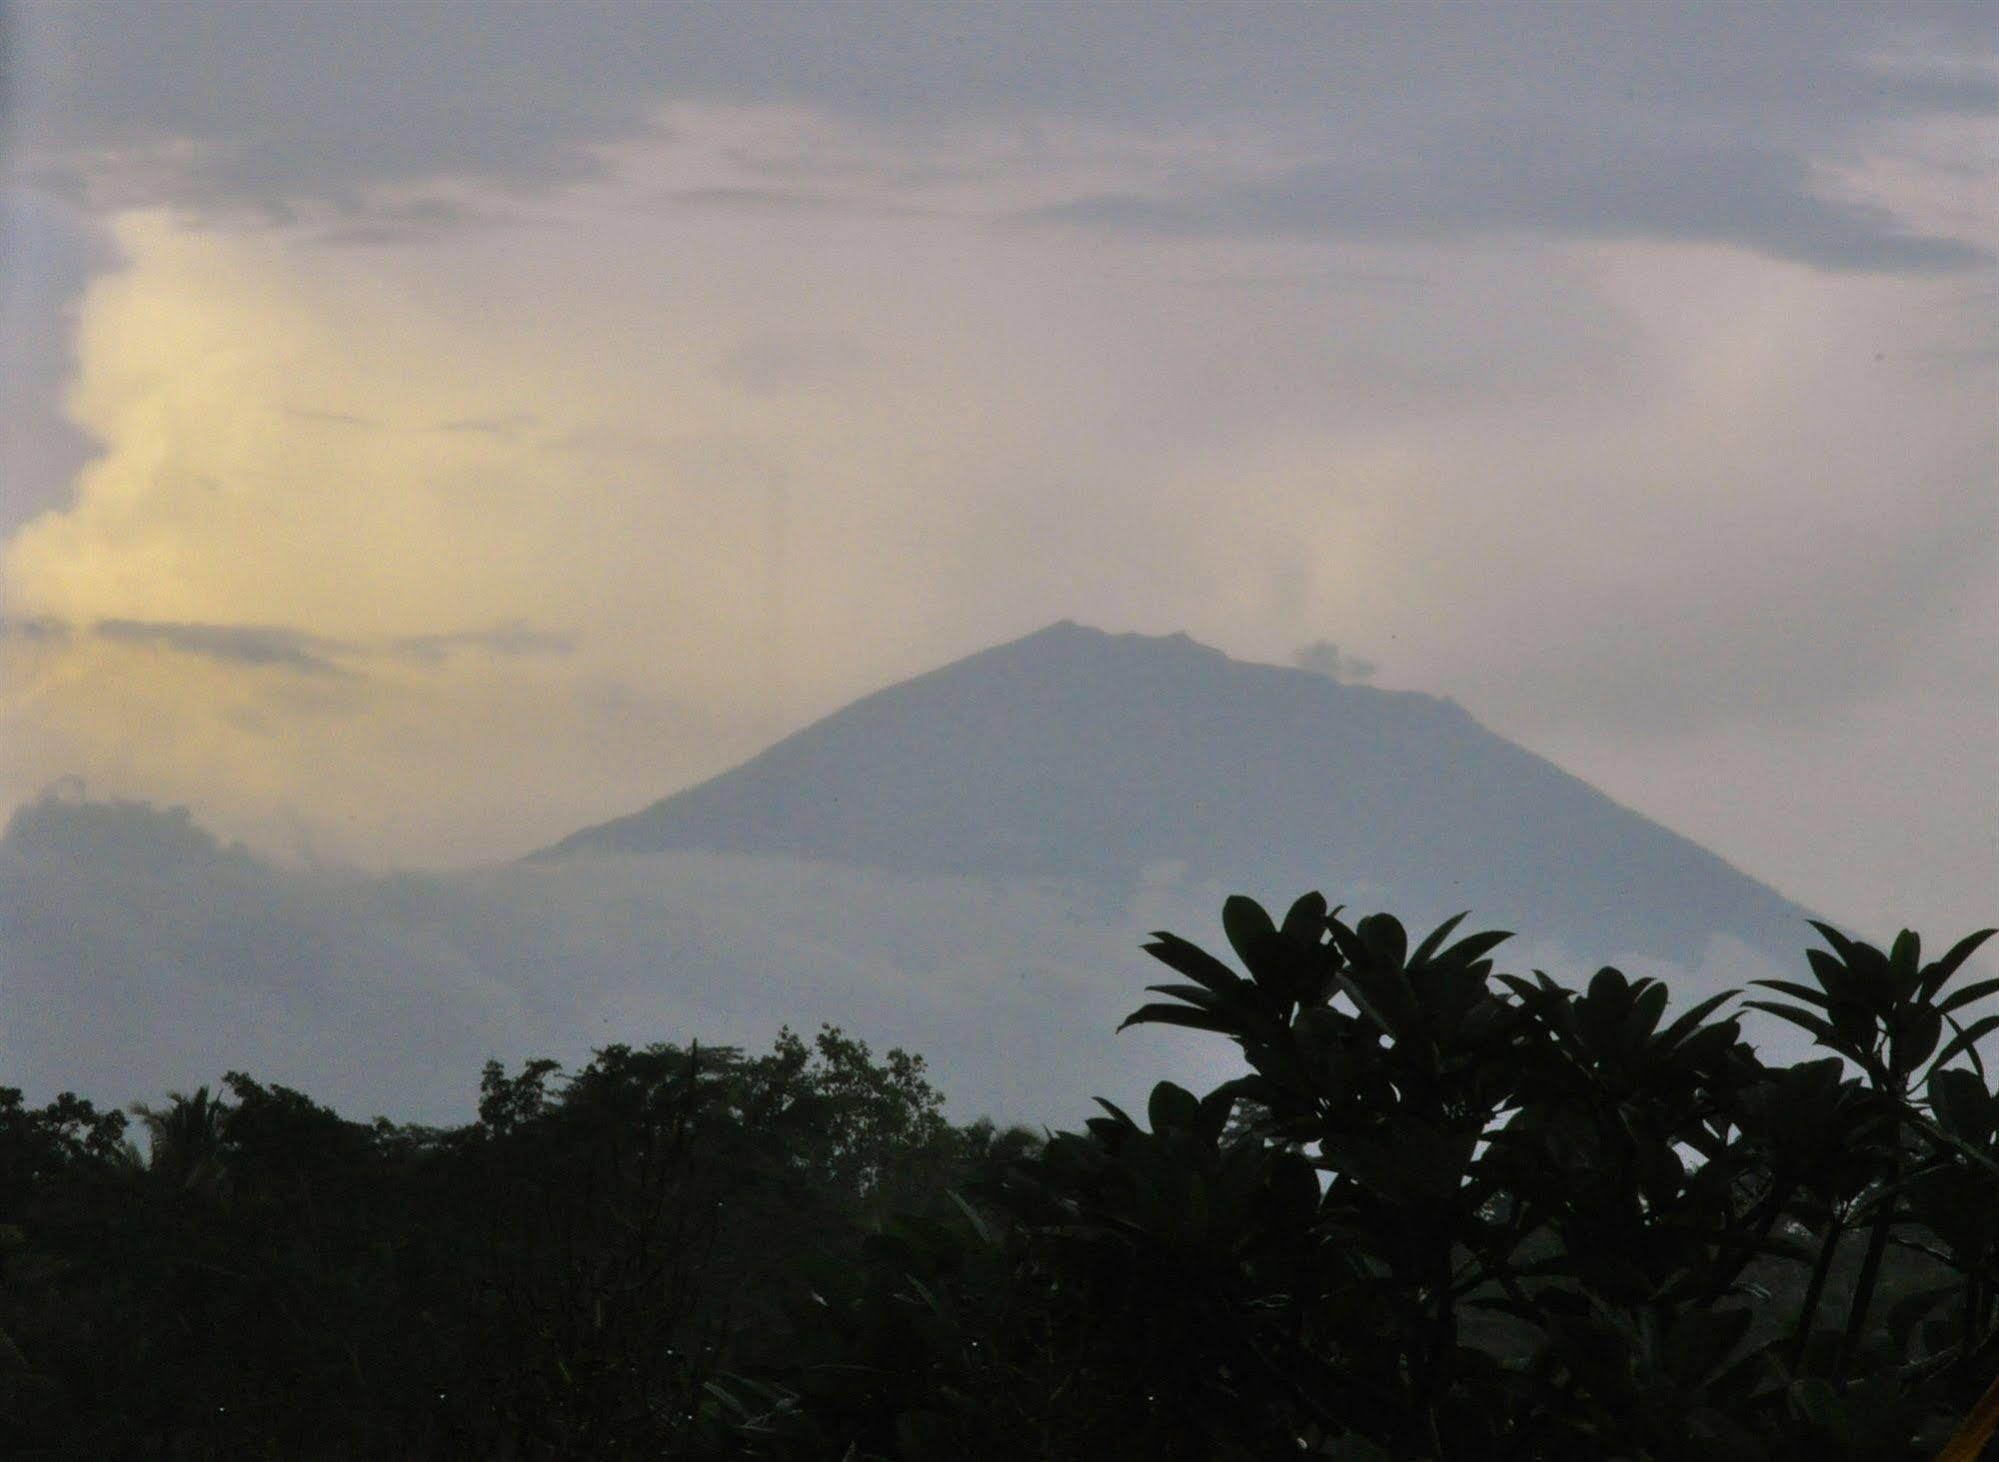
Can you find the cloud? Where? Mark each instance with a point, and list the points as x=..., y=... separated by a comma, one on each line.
x=38, y=629
x=1557, y=182
x=334, y=418
x=1688, y=123
x=144, y=955
x=1607, y=496
x=50, y=256
x=511, y=639
x=1323, y=657
x=263, y=646
x=506, y=425
x=275, y=647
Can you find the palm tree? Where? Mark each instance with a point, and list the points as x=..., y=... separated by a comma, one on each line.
x=186, y=1139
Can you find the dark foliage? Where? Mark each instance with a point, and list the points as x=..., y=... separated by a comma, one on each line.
x=1445, y=1213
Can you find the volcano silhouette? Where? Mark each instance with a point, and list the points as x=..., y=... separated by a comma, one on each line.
x=1090, y=758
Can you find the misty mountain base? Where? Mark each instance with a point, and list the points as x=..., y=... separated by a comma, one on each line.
x=1446, y=1213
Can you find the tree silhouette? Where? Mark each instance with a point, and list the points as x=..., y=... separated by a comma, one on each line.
x=1444, y=1211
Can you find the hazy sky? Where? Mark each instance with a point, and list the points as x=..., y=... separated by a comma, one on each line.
x=432, y=426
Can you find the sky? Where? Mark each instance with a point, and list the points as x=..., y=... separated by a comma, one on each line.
x=431, y=427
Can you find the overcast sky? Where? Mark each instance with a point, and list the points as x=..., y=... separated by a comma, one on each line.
x=432, y=426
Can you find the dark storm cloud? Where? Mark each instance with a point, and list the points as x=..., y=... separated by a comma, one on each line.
x=1688, y=122
x=46, y=258
x=1471, y=179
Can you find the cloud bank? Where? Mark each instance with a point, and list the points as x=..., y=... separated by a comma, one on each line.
x=1693, y=123
x=140, y=955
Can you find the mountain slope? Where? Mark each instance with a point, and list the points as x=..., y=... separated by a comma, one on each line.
x=1088, y=757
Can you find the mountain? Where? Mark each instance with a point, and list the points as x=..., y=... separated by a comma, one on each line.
x=963, y=865
x=1091, y=758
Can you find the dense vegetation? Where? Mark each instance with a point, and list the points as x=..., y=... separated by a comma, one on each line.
x=1445, y=1213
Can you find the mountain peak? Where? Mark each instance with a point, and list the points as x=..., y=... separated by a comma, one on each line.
x=1069, y=634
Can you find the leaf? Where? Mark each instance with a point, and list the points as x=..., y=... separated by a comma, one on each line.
x=1967, y=1037
x=1172, y=1107
x=1795, y=990
x=1689, y=1019
x=1247, y=925
x=1840, y=944
x=1645, y=1013
x=1838, y=980
x=1385, y=1003
x=1977, y=1061
x=1959, y=1098
x=1306, y=921
x=1192, y=994
x=1909, y=1310
x=973, y=1217
x=1917, y=1029
x=1184, y=1015
x=1817, y=1401
x=1804, y=1019
x=1193, y=961
x=1119, y=1113
x=1474, y=947
x=1214, y=1112
x=1940, y=972
x=1386, y=940
x=1434, y=940
x=1905, y=958
x=1959, y=998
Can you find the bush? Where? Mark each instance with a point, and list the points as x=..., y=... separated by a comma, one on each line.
x=1444, y=1212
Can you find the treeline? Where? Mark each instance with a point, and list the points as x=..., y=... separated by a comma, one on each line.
x=1445, y=1213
